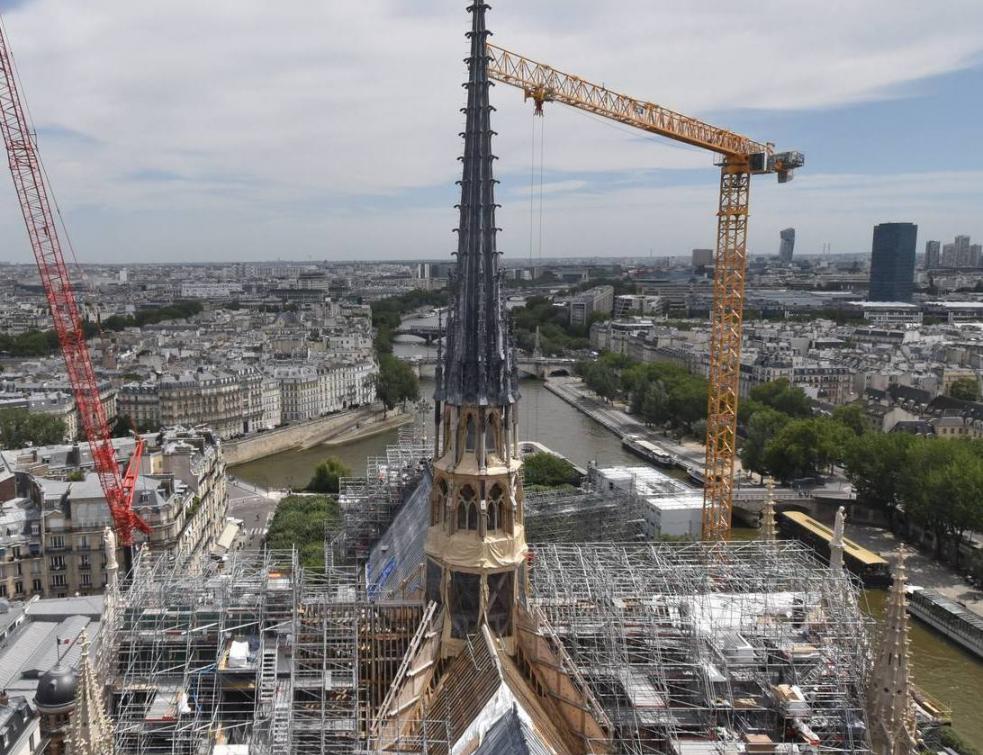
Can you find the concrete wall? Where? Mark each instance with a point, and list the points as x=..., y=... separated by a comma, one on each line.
x=295, y=435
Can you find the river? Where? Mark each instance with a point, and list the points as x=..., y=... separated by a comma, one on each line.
x=941, y=668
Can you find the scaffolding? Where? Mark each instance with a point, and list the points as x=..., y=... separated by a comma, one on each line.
x=702, y=642
x=369, y=503
x=578, y=515
x=199, y=659
x=677, y=647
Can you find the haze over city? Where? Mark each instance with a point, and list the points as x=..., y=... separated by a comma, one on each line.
x=183, y=132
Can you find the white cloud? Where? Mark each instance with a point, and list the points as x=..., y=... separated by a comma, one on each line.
x=240, y=128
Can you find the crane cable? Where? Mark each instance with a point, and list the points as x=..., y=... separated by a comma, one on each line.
x=536, y=226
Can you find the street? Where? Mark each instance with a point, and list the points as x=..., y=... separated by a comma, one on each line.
x=255, y=508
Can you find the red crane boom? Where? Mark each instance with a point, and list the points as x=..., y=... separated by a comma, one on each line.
x=32, y=192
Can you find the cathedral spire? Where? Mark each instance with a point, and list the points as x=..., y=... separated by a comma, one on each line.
x=478, y=364
x=890, y=704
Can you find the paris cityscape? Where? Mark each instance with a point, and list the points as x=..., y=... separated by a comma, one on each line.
x=428, y=398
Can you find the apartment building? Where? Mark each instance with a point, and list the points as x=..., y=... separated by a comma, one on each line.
x=597, y=300
x=51, y=528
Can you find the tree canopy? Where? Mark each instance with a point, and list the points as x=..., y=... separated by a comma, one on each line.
x=965, y=389
x=396, y=382
x=545, y=469
x=938, y=483
x=302, y=521
x=19, y=428
x=327, y=475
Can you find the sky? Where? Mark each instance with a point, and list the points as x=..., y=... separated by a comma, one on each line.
x=246, y=130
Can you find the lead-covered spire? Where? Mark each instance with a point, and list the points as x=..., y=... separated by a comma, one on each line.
x=478, y=364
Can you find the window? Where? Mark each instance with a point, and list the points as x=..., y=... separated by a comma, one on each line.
x=35, y=529
x=86, y=580
x=500, y=591
x=3, y=589
x=491, y=440
x=57, y=563
x=439, y=501
x=466, y=505
x=434, y=573
x=465, y=602
x=58, y=580
x=36, y=585
x=57, y=541
x=84, y=543
x=470, y=434
x=496, y=508
x=19, y=587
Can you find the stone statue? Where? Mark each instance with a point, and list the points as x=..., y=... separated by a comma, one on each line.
x=109, y=543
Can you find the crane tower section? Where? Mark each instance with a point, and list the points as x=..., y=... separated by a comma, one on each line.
x=740, y=158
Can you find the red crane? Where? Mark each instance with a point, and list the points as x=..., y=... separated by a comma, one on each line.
x=33, y=194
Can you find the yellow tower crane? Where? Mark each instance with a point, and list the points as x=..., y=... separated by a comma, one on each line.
x=739, y=158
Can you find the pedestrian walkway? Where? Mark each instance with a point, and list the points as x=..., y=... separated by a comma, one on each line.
x=922, y=570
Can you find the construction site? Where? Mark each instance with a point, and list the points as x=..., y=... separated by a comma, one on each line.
x=679, y=648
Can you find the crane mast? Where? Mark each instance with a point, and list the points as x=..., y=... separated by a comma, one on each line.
x=740, y=157
x=33, y=195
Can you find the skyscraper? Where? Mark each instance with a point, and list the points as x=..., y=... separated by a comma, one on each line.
x=787, y=245
x=892, y=262
x=933, y=250
x=962, y=251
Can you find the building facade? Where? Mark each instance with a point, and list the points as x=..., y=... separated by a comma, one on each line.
x=597, y=300
x=51, y=542
x=892, y=262
x=787, y=244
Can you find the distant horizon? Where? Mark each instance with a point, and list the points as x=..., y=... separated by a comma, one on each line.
x=508, y=261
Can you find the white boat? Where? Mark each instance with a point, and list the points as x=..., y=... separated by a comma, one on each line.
x=955, y=621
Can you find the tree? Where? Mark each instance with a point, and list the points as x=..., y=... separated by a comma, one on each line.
x=874, y=464
x=603, y=379
x=548, y=470
x=303, y=522
x=943, y=489
x=782, y=395
x=19, y=428
x=762, y=427
x=804, y=447
x=396, y=382
x=853, y=417
x=655, y=403
x=965, y=389
x=327, y=475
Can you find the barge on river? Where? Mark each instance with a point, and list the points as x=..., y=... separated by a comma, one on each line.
x=958, y=623
x=651, y=452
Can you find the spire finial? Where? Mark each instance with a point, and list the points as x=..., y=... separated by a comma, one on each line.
x=768, y=529
x=91, y=731
x=890, y=703
x=836, y=542
x=478, y=364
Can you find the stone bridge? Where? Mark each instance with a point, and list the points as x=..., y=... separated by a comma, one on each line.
x=819, y=503
x=428, y=333
x=529, y=366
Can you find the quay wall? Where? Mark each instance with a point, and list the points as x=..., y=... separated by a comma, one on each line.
x=297, y=435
